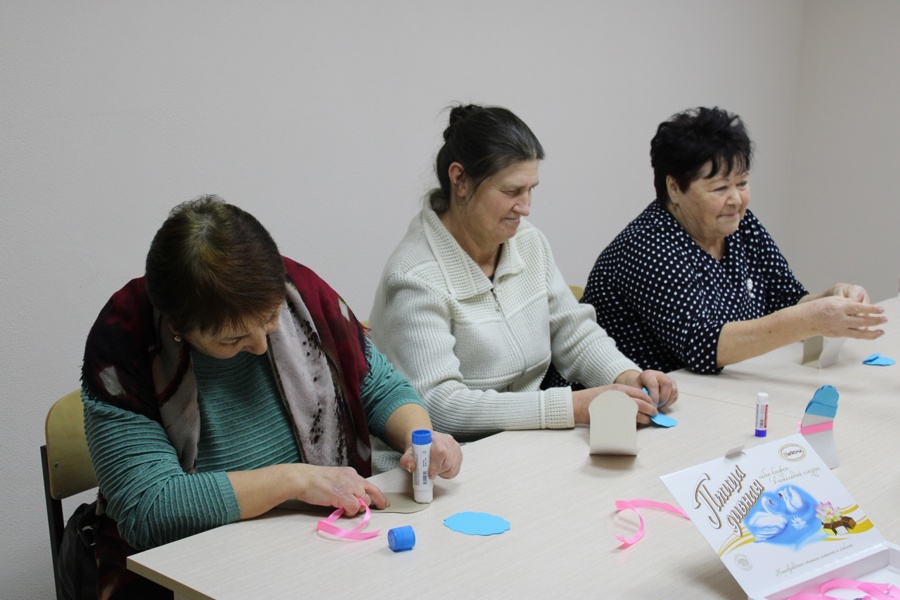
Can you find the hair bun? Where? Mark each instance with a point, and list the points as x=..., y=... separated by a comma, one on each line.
x=457, y=114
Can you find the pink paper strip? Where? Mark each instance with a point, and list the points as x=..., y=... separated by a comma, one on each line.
x=817, y=428
x=874, y=591
x=639, y=503
x=348, y=534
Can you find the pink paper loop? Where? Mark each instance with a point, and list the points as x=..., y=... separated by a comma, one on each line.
x=874, y=591
x=639, y=503
x=357, y=533
x=879, y=591
x=817, y=428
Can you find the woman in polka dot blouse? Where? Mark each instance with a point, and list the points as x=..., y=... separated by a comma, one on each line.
x=695, y=281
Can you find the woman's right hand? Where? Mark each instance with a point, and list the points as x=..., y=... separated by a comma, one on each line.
x=838, y=316
x=581, y=401
x=340, y=487
x=260, y=490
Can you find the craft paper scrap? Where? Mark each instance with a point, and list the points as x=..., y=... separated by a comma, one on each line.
x=817, y=424
x=634, y=505
x=477, y=523
x=661, y=420
x=877, y=360
x=774, y=514
x=613, y=424
x=354, y=534
x=821, y=352
x=824, y=402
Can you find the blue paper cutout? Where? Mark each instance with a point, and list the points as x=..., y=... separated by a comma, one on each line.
x=475, y=523
x=877, y=360
x=824, y=402
x=660, y=405
x=662, y=420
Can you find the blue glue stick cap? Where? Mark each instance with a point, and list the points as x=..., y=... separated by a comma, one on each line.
x=401, y=538
x=421, y=437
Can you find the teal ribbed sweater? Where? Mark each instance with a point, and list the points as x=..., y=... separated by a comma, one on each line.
x=244, y=425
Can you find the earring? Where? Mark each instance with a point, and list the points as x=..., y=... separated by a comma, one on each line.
x=177, y=338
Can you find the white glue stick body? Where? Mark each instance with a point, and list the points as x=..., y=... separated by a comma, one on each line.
x=423, y=488
x=762, y=414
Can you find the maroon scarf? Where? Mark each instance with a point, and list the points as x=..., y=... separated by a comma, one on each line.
x=132, y=362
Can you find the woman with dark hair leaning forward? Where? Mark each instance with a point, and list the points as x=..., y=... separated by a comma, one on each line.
x=227, y=381
x=472, y=308
x=696, y=281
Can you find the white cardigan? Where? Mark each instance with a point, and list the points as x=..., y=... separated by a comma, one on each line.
x=477, y=351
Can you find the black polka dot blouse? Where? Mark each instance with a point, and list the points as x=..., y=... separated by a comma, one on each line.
x=664, y=299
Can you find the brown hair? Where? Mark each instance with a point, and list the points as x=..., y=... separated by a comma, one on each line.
x=212, y=265
x=484, y=140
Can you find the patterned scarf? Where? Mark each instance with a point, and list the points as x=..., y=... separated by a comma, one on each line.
x=318, y=352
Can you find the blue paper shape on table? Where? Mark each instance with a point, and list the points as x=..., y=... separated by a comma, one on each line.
x=877, y=360
x=661, y=420
x=824, y=402
x=477, y=523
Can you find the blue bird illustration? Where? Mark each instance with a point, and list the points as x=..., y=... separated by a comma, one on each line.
x=786, y=516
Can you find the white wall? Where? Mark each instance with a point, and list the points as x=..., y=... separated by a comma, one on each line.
x=322, y=119
x=844, y=213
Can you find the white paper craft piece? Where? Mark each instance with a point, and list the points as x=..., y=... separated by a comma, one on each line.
x=817, y=424
x=821, y=441
x=613, y=424
x=821, y=352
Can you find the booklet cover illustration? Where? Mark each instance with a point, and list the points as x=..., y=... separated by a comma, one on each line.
x=773, y=513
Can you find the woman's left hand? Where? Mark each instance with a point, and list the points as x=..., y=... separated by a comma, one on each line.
x=848, y=290
x=661, y=388
x=446, y=457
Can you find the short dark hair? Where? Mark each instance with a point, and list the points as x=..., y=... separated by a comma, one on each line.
x=212, y=265
x=484, y=140
x=690, y=139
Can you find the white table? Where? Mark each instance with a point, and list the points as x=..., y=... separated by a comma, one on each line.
x=560, y=503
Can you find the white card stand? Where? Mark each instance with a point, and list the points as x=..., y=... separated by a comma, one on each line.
x=613, y=424
x=821, y=441
x=821, y=352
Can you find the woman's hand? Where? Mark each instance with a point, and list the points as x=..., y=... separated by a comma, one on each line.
x=260, y=490
x=446, y=457
x=848, y=290
x=340, y=487
x=840, y=316
x=661, y=388
x=581, y=401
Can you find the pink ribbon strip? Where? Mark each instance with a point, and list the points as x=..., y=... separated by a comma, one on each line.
x=874, y=591
x=638, y=503
x=356, y=533
x=817, y=428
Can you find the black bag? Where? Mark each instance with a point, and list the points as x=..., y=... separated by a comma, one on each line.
x=76, y=568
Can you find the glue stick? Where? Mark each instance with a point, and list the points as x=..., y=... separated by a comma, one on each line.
x=762, y=414
x=423, y=488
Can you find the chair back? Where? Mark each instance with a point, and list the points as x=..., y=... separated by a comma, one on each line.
x=577, y=291
x=66, y=464
x=70, y=468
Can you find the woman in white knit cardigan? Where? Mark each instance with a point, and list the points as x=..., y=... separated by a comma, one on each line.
x=472, y=308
